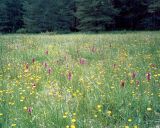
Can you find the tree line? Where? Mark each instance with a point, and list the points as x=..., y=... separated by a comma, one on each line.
x=78, y=15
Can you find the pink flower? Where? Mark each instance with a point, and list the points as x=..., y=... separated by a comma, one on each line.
x=148, y=76
x=69, y=76
x=82, y=61
x=29, y=110
x=49, y=70
x=46, y=52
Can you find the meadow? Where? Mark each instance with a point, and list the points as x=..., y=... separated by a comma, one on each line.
x=108, y=80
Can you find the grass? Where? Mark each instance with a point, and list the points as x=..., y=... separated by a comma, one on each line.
x=109, y=80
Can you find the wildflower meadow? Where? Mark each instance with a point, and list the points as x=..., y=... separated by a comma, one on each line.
x=108, y=80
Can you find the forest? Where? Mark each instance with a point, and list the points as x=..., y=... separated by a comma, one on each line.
x=35, y=16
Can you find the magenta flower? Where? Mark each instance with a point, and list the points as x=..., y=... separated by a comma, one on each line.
x=148, y=76
x=29, y=110
x=69, y=76
x=49, y=71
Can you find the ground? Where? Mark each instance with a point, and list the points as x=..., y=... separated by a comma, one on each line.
x=108, y=80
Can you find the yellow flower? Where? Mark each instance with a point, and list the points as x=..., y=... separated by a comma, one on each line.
x=149, y=109
x=25, y=108
x=112, y=87
x=67, y=126
x=126, y=126
x=64, y=116
x=74, y=114
x=26, y=70
x=98, y=106
x=109, y=112
x=73, y=126
x=66, y=113
x=13, y=125
x=73, y=120
x=99, y=110
x=11, y=103
x=131, y=82
x=95, y=116
x=1, y=114
x=135, y=126
x=74, y=94
x=129, y=120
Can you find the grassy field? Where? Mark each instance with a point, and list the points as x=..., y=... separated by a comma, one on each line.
x=109, y=80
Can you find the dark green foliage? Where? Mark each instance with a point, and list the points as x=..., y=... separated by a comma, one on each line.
x=152, y=21
x=132, y=12
x=42, y=16
x=78, y=15
x=11, y=16
x=3, y=16
x=95, y=15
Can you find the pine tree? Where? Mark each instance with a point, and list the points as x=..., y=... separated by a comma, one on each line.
x=95, y=15
x=14, y=14
x=53, y=15
x=152, y=21
x=65, y=15
x=10, y=15
x=36, y=14
x=3, y=17
x=131, y=13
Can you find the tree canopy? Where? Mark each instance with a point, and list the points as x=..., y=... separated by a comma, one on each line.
x=78, y=15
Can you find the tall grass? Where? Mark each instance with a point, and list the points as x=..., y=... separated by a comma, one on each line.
x=109, y=80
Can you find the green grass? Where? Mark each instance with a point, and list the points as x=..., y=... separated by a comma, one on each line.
x=94, y=97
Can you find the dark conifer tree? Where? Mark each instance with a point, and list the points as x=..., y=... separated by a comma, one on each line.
x=131, y=13
x=3, y=17
x=11, y=15
x=95, y=15
x=42, y=16
x=75, y=15
x=152, y=20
